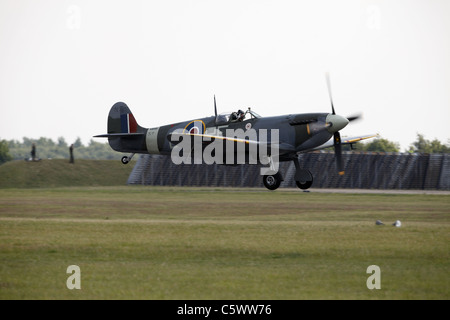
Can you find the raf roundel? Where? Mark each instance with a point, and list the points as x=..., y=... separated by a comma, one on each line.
x=195, y=127
x=193, y=130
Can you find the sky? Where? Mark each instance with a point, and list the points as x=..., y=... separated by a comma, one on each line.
x=63, y=64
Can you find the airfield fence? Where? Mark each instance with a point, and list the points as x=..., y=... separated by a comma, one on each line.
x=363, y=170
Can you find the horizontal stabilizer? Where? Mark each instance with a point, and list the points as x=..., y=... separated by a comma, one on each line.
x=119, y=135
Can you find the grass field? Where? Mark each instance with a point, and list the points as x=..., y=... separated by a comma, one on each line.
x=200, y=243
x=60, y=173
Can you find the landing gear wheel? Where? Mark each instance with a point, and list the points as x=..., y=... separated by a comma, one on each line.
x=125, y=160
x=272, y=182
x=304, y=184
x=305, y=179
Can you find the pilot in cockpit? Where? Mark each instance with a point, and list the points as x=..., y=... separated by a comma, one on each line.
x=240, y=115
x=237, y=116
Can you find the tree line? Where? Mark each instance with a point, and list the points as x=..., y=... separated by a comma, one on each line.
x=49, y=149
x=421, y=145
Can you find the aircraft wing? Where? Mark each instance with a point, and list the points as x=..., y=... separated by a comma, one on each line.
x=345, y=140
x=283, y=147
x=209, y=138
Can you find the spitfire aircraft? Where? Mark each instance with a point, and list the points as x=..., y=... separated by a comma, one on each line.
x=297, y=133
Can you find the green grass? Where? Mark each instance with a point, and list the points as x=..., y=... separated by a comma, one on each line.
x=60, y=173
x=200, y=243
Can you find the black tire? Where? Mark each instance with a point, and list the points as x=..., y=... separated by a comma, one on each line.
x=306, y=180
x=272, y=182
x=304, y=185
x=124, y=160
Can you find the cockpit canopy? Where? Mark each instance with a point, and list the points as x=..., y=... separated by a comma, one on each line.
x=236, y=116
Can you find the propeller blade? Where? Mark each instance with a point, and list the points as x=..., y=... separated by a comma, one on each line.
x=355, y=117
x=327, y=76
x=338, y=152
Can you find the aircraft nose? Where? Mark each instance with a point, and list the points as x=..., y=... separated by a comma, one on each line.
x=336, y=122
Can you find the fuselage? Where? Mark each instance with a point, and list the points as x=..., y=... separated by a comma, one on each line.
x=290, y=134
x=297, y=132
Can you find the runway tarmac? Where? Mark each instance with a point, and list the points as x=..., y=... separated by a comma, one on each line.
x=378, y=191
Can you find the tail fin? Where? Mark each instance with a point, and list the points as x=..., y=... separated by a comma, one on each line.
x=124, y=133
x=122, y=121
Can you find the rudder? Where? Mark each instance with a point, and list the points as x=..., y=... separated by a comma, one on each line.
x=121, y=120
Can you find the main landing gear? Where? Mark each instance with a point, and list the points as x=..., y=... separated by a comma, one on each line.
x=303, y=178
